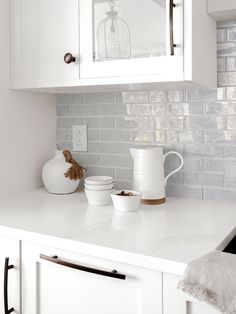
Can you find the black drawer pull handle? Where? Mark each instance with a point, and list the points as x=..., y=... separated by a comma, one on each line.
x=6, y=268
x=56, y=260
x=171, y=18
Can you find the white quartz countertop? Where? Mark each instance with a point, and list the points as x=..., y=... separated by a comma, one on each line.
x=164, y=237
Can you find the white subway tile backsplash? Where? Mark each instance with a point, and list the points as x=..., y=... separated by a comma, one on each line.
x=231, y=64
x=93, y=134
x=206, y=122
x=66, y=123
x=158, y=96
x=203, y=179
x=64, y=145
x=203, y=94
x=218, y=194
x=226, y=49
x=114, y=161
x=123, y=185
x=63, y=110
x=184, y=109
x=64, y=135
x=175, y=95
x=99, y=122
x=135, y=97
x=203, y=150
x=158, y=109
x=220, y=137
x=221, y=64
x=231, y=93
x=198, y=123
x=123, y=174
x=220, y=108
x=231, y=33
x=175, y=123
x=231, y=122
x=83, y=110
x=70, y=99
x=221, y=35
x=230, y=152
x=143, y=136
x=184, y=191
x=141, y=110
x=101, y=148
x=221, y=93
x=226, y=78
x=87, y=159
x=99, y=98
x=100, y=171
x=230, y=181
x=184, y=136
x=114, y=135
x=115, y=110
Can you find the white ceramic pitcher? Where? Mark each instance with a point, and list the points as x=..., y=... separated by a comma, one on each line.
x=148, y=176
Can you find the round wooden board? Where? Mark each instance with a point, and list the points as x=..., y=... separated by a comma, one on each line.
x=154, y=202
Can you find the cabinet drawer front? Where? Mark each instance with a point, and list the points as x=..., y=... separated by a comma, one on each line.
x=64, y=282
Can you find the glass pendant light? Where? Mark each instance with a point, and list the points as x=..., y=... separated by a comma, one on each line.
x=113, y=37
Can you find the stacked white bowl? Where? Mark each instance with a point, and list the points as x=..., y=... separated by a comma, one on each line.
x=98, y=189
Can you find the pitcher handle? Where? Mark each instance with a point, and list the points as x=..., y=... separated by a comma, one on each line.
x=177, y=169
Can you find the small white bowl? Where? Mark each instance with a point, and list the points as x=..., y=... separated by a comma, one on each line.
x=98, y=180
x=98, y=198
x=98, y=187
x=126, y=203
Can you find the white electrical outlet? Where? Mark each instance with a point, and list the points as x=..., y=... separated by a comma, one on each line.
x=80, y=142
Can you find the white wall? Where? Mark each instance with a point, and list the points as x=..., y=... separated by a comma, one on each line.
x=27, y=126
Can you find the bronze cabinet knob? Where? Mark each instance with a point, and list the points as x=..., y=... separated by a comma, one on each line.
x=68, y=58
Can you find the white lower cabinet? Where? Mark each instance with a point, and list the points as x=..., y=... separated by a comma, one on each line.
x=59, y=285
x=9, y=275
x=177, y=302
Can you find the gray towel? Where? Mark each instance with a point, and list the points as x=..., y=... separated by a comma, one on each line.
x=212, y=279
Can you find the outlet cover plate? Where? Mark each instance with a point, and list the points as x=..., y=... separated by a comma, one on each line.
x=80, y=140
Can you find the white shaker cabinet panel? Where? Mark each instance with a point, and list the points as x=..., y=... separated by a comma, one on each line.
x=52, y=288
x=177, y=302
x=9, y=275
x=42, y=32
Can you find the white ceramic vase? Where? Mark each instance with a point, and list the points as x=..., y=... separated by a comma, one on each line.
x=53, y=175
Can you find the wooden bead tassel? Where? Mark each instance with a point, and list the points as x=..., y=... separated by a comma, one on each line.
x=76, y=171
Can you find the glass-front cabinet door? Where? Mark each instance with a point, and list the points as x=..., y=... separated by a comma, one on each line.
x=130, y=38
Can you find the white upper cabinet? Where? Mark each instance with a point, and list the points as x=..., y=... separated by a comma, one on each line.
x=130, y=38
x=222, y=10
x=42, y=32
x=113, y=42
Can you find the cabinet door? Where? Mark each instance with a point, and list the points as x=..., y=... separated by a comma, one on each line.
x=175, y=301
x=131, y=38
x=50, y=288
x=42, y=32
x=10, y=290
